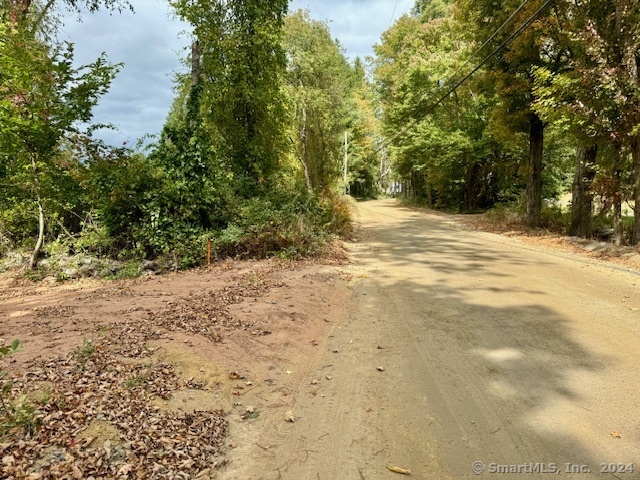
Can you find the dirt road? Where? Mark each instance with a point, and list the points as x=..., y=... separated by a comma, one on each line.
x=458, y=347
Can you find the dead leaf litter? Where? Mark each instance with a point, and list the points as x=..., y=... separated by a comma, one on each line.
x=97, y=416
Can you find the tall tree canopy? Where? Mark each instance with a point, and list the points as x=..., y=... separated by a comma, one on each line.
x=239, y=44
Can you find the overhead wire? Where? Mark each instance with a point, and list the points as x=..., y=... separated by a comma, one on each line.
x=393, y=15
x=511, y=37
x=488, y=40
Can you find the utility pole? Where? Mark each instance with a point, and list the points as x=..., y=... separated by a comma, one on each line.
x=346, y=161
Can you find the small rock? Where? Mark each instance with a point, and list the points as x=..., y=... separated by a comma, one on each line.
x=289, y=417
x=381, y=369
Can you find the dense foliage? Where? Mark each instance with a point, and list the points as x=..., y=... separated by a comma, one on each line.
x=224, y=174
x=564, y=87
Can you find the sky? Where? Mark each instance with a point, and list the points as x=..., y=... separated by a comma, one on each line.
x=152, y=41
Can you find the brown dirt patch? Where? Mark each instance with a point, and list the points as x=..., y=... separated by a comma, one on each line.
x=100, y=432
x=121, y=367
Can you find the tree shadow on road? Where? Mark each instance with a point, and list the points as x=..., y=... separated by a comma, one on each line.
x=502, y=368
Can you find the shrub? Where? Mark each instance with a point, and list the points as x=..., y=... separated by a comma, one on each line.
x=291, y=224
x=555, y=219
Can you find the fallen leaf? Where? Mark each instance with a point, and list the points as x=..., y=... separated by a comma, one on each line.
x=288, y=372
x=204, y=473
x=615, y=434
x=125, y=469
x=368, y=408
x=76, y=472
x=402, y=471
x=289, y=417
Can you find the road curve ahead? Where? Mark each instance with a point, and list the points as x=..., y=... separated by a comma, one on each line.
x=467, y=355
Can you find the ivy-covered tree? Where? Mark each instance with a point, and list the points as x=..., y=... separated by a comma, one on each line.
x=240, y=94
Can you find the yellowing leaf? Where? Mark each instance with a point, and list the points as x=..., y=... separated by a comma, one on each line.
x=402, y=471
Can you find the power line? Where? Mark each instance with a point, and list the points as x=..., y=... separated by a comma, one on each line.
x=432, y=107
x=488, y=40
x=393, y=15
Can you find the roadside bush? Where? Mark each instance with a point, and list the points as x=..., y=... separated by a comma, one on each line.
x=508, y=215
x=337, y=213
x=265, y=226
x=555, y=219
x=288, y=223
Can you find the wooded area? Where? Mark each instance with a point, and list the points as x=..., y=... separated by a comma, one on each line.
x=251, y=160
x=555, y=109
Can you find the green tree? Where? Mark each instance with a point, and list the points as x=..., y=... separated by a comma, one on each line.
x=447, y=154
x=43, y=98
x=598, y=97
x=512, y=74
x=367, y=170
x=241, y=99
x=319, y=86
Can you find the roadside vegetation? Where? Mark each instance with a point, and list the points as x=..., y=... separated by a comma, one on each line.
x=555, y=111
x=248, y=163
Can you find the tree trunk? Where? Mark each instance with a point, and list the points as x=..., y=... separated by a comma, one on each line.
x=534, y=172
x=346, y=163
x=635, y=151
x=196, y=64
x=471, y=188
x=618, y=234
x=413, y=184
x=33, y=262
x=582, y=196
x=303, y=145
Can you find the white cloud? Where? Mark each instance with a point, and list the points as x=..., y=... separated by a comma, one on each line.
x=150, y=44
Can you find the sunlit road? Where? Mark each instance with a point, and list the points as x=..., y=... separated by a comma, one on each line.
x=497, y=360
